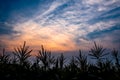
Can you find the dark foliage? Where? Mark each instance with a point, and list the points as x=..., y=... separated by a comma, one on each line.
x=48, y=67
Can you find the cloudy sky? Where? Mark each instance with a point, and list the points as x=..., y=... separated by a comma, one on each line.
x=60, y=25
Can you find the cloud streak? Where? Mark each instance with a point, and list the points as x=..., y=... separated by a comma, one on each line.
x=68, y=25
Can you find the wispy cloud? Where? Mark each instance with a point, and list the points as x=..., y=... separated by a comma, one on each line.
x=67, y=25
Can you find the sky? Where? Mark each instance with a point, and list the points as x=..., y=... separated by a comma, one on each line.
x=60, y=25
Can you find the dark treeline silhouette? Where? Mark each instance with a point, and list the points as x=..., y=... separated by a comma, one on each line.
x=17, y=66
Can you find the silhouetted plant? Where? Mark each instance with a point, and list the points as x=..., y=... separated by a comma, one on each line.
x=116, y=56
x=92, y=68
x=57, y=63
x=47, y=67
x=46, y=58
x=107, y=65
x=82, y=61
x=14, y=59
x=73, y=64
x=4, y=58
x=104, y=66
x=22, y=53
x=36, y=66
x=97, y=52
x=61, y=61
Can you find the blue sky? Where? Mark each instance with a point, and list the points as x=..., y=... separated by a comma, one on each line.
x=60, y=25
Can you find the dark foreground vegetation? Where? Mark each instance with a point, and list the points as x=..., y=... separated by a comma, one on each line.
x=18, y=66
